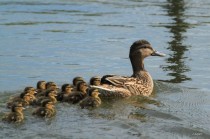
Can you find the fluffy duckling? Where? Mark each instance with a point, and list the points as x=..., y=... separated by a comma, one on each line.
x=28, y=89
x=16, y=115
x=47, y=110
x=66, y=90
x=96, y=80
x=80, y=94
x=24, y=99
x=41, y=86
x=92, y=101
x=49, y=94
x=49, y=86
x=76, y=80
x=31, y=91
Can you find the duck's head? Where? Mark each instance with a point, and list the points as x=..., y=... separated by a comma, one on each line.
x=30, y=89
x=47, y=104
x=82, y=86
x=96, y=80
x=51, y=93
x=41, y=85
x=144, y=49
x=138, y=51
x=93, y=92
x=76, y=80
x=51, y=85
x=17, y=107
x=26, y=96
x=66, y=88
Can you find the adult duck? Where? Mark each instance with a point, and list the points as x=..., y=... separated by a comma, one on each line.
x=140, y=83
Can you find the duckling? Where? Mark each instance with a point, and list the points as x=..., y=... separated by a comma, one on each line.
x=92, y=101
x=140, y=83
x=24, y=99
x=47, y=110
x=78, y=95
x=41, y=86
x=96, y=80
x=16, y=115
x=66, y=90
x=49, y=86
x=49, y=94
x=76, y=80
x=28, y=89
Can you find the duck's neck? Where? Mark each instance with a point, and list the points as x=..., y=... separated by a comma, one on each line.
x=137, y=65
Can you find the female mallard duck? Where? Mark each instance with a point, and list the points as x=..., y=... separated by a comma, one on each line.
x=50, y=95
x=46, y=110
x=96, y=80
x=80, y=94
x=66, y=90
x=24, y=99
x=92, y=100
x=140, y=83
x=40, y=86
x=16, y=115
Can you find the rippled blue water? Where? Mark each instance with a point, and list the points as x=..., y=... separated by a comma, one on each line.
x=58, y=40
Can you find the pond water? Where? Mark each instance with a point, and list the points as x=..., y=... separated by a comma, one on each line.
x=58, y=40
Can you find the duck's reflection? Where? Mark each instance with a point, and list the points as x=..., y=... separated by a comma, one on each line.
x=176, y=62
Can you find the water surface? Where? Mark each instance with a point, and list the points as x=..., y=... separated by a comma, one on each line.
x=58, y=40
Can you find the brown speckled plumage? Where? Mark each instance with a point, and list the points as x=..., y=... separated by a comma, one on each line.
x=140, y=83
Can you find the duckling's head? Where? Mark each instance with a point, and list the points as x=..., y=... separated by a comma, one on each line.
x=51, y=85
x=82, y=86
x=93, y=92
x=47, y=104
x=29, y=88
x=143, y=49
x=76, y=80
x=17, y=107
x=41, y=85
x=66, y=88
x=26, y=96
x=96, y=80
x=51, y=93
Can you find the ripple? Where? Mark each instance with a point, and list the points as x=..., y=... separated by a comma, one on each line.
x=111, y=25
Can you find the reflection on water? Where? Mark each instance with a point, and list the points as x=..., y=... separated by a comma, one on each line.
x=177, y=67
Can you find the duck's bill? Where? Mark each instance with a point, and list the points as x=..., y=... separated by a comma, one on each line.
x=156, y=53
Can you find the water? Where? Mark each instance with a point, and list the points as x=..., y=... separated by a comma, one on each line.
x=58, y=40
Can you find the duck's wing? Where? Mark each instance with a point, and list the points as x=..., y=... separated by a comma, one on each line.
x=116, y=86
x=121, y=86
